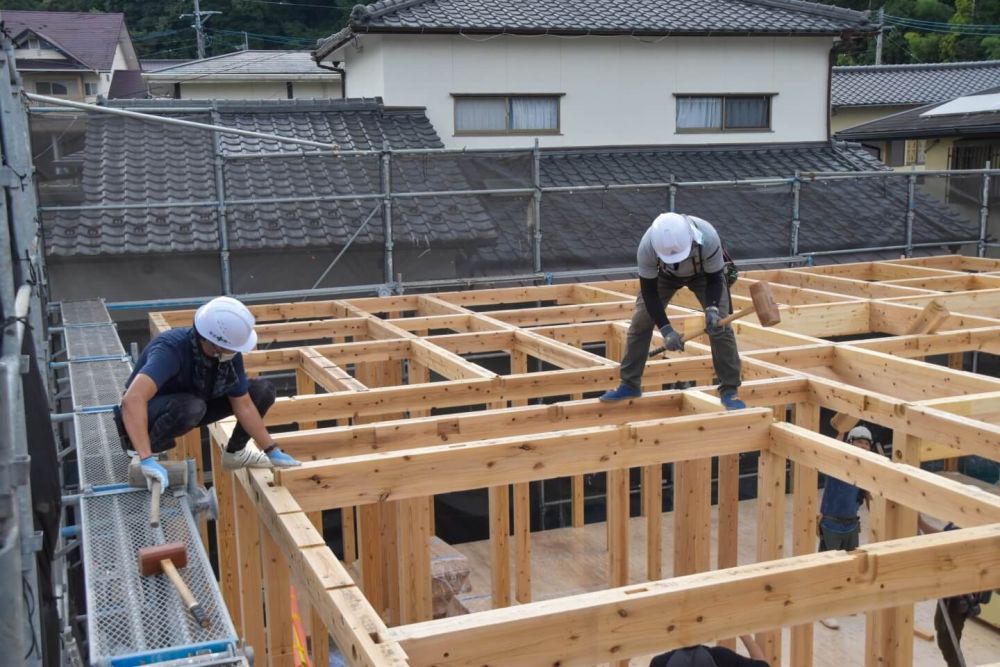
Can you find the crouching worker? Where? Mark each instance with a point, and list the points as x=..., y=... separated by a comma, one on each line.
x=194, y=376
x=713, y=656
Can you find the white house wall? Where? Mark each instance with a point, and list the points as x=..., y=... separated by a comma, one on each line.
x=617, y=90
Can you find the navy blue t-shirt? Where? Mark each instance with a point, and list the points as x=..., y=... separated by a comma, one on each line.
x=169, y=362
x=840, y=499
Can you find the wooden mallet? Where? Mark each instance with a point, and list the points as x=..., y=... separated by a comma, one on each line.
x=176, y=476
x=763, y=304
x=166, y=558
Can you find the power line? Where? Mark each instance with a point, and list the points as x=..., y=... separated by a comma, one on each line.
x=292, y=4
x=200, y=18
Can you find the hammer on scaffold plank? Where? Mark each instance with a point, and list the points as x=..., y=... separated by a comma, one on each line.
x=165, y=559
x=177, y=475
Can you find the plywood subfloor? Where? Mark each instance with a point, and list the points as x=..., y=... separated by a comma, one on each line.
x=568, y=561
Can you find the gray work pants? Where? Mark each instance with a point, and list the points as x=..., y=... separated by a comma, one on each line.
x=725, y=355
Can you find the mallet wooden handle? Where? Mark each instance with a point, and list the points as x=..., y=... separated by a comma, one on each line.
x=154, y=504
x=192, y=605
x=743, y=312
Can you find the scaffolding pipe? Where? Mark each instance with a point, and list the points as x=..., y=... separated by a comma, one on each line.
x=536, y=207
x=387, y=274
x=911, y=210
x=839, y=175
x=796, y=210
x=848, y=251
x=984, y=213
x=220, y=193
x=672, y=196
x=177, y=121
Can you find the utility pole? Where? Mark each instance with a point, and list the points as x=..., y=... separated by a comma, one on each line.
x=200, y=18
x=878, y=40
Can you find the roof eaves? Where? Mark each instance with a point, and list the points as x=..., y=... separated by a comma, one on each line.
x=332, y=43
x=56, y=44
x=916, y=66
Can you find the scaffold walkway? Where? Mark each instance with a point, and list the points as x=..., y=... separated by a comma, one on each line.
x=131, y=619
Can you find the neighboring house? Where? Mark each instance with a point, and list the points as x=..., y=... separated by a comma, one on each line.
x=960, y=133
x=501, y=73
x=245, y=75
x=864, y=94
x=75, y=55
x=155, y=64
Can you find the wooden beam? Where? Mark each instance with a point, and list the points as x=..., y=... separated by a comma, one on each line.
x=918, y=489
x=589, y=628
x=373, y=478
x=327, y=374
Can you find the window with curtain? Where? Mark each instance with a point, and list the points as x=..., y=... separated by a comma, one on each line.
x=722, y=113
x=51, y=88
x=507, y=114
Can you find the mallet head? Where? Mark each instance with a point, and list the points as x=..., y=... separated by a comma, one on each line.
x=764, y=305
x=150, y=557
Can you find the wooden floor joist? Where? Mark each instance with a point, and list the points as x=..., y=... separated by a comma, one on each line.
x=495, y=390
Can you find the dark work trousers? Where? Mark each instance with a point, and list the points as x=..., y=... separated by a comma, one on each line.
x=948, y=650
x=173, y=415
x=833, y=541
x=725, y=355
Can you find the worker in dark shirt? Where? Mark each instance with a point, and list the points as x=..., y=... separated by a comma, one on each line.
x=194, y=376
x=713, y=656
x=839, y=523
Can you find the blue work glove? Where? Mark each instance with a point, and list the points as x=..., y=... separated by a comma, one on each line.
x=153, y=472
x=713, y=320
x=671, y=339
x=280, y=459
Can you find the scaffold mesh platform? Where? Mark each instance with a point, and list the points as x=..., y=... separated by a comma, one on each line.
x=100, y=459
x=98, y=383
x=89, y=341
x=91, y=311
x=130, y=615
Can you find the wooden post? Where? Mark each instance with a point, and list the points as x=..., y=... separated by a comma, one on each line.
x=577, y=487
x=348, y=534
x=770, y=532
x=692, y=516
x=415, y=563
x=729, y=514
x=225, y=533
x=319, y=634
x=889, y=632
x=390, y=544
x=522, y=506
x=618, y=540
x=248, y=552
x=652, y=483
x=373, y=556
x=804, y=483
x=278, y=602
x=500, y=545
x=304, y=385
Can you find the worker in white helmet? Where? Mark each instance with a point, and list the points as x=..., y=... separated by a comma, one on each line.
x=839, y=524
x=193, y=376
x=680, y=251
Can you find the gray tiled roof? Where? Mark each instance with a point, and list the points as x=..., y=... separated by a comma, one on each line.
x=888, y=85
x=911, y=124
x=583, y=227
x=245, y=62
x=89, y=37
x=599, y=17
x=129, y=161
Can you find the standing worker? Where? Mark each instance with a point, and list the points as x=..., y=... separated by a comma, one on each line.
x=194, y=376
x=839, y=524
x=680, y=251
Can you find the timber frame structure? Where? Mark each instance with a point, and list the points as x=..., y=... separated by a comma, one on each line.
x=372, y=447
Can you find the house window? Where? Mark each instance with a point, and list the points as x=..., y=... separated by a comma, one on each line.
x=916, y=152
x=51, y=88
x=90, y=89
x=723, y=113
x=506, y=114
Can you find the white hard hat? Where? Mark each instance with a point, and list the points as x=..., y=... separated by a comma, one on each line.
x=859, y=432
x=672, y=235
x=227, y=323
